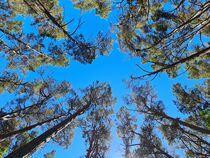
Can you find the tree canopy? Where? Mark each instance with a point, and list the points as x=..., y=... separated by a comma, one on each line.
x=38, y=108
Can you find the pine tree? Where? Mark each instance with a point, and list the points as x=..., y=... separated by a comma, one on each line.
x=47, y=41
x=99, y=94
x=102, y=7
x=164, y=37
x=96, y=131
x=189, y=134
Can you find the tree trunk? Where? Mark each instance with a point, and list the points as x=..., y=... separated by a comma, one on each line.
x=10, y=134
x=31, y=146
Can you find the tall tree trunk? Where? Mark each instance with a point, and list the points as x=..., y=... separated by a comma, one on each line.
x=31, y=146
x=11, y=134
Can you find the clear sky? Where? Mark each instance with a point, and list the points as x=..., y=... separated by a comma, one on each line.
x=112, y=69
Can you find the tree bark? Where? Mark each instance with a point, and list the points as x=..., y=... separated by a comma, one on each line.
x=19, y=131
x=31, y=146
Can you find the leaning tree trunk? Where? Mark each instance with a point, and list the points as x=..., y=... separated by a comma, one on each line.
x=25, y=129
x=31, y=146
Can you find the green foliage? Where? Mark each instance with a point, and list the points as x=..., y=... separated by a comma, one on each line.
x=189, y=134
x=125, y=126
x=206, y=31
x=194, y=102
x=4, y=147
x=168, y=35
x=9, y=82
x=41, y=101
x=14, y=26
x=47, y=41
x=205, y=115
x=102, y=7
x=96, y=129
x=50, y=154
x=162, y=37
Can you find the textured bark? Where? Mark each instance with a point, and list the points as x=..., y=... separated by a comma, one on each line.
x=31, y=146
x=25, y=129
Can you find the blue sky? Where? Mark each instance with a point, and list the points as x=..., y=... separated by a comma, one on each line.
x=112, y=69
